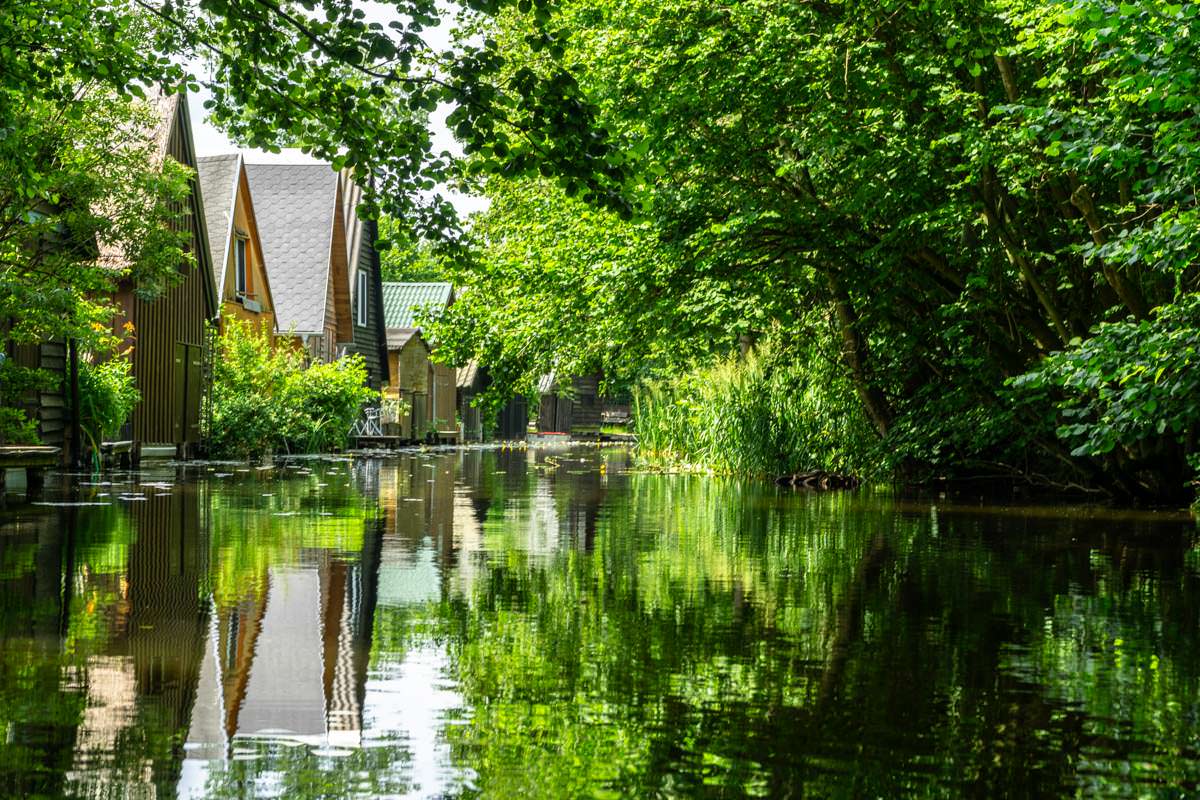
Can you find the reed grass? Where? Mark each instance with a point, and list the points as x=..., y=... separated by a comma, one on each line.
x=768, y=413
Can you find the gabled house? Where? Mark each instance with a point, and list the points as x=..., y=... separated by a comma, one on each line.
x=243, y=287
x=428, y=389
x=570, y=405
x=170, y=346
x=167, y=333
x=509, y=424
x=369, y=337
x=299, y=210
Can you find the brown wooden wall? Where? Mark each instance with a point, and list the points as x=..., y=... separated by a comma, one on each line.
x=48, y=408
x=168, y=377
x=445, y=395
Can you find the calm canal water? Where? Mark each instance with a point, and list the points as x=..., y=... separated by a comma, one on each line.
x=546, y=624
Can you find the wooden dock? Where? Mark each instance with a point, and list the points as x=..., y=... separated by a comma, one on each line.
x=34, y=459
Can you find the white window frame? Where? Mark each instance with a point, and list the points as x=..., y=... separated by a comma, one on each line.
x=361, y=297
x=239, y=265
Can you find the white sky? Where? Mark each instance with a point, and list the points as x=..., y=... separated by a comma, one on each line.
x=210, y=141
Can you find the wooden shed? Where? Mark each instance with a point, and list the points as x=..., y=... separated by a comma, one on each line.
x=169, y=343
x=570, y=405
x=434, y=393
x=410, y=384
x=510, y=422
x=243, y=284
x=170, y=348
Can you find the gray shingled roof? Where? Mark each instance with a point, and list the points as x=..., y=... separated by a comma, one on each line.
x=218, y=186
x=402, y=301
x=294, y=205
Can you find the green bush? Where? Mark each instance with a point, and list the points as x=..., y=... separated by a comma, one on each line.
x=773, y=412
x=324, y=401
x=15, y=382
x=264, y=399
x=107, y=396
x=1129, y=394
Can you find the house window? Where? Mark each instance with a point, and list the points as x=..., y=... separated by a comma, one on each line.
x=361, y=310
x=240, y=250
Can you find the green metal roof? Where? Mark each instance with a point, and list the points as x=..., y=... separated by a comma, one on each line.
x=402, y=301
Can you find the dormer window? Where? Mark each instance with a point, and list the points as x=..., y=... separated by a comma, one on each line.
x=240, y=265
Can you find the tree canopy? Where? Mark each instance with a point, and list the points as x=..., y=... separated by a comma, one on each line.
x=951, y=192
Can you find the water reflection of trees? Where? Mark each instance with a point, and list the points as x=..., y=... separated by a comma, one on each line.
x=718, y=640
x=608, y=633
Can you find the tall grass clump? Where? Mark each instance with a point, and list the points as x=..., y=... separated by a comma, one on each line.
x=769, y=413
x=265, y=399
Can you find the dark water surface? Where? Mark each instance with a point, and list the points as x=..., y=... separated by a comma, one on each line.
x=541, y=624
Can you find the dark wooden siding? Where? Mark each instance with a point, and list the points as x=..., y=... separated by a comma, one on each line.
x=368, y=339
x=513, y=419
x=169, y=412
x=575, y=412
x=585, y=416
x=48, y=408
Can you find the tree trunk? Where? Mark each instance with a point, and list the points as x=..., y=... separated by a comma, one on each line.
x=1129, y=293
x=856, y=354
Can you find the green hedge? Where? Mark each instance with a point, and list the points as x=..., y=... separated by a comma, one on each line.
x=265, y=400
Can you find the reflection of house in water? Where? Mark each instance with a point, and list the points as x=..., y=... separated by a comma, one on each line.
x=140, y=685
x=564, y=518
x=435, y=540
x=291, y=661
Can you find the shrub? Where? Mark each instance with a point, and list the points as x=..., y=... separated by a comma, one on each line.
x=772, y=412
x=264, y=399
x=1129, y=395
x=326, y=399
x=107, y=396
x=15, y=382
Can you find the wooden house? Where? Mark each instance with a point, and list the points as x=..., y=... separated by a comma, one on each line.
x=427, y=389
x=299, y=209
x=168, y=333
x=170, y=347
x=369, y=337
x=237, y=255
x=570, y=406
x=511, y=421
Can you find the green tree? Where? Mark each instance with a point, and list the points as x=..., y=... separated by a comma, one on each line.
x=87, y=202
x=957, y=189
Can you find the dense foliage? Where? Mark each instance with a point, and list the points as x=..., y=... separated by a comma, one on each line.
x=107, y=397
x=777, y=411
x=958, y=189
x=265, y=399
x=86, y=204
x=351, y=87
